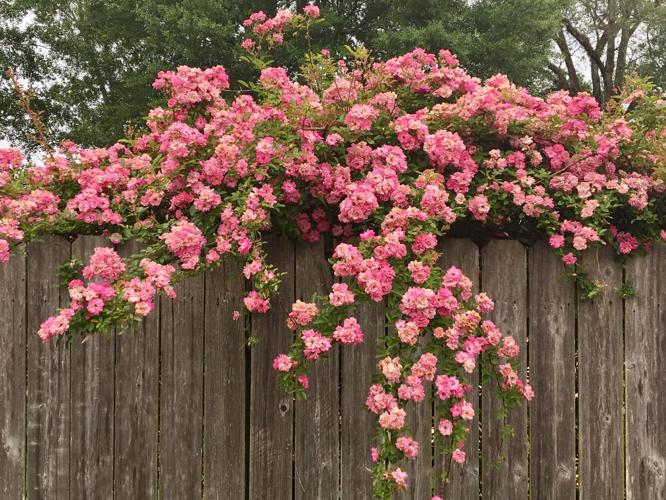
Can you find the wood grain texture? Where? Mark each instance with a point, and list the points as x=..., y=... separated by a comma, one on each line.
x=92, y=395
x=227, y=430
x=419, y=421
x=600, y=367
x=645, y=358
x=181, y=391
x=552, y=358
x=317, y=417
x=271, y=409
x=12, y=376
x=48, y=398
x=357, y=423
x=504, y=279
x=136, y=405
x=463, y=479
x=225, y=385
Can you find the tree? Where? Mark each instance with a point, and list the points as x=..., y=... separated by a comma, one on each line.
x=91, y=62
x=652, y=48
x=485, y=34
x=614, y=37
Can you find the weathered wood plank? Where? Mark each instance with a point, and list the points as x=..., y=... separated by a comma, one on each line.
x=600, y=381
x=463, y=479
x=271, y=409
x=504, y=461
x=357, y=367
x=137, y=405
x=12, y=376
x=553, y=375
x=225, y=385
x=181, y=390
x=48, y=410
x=92, y=403
x=316, y=418
x=419, y=421
x=645, y=358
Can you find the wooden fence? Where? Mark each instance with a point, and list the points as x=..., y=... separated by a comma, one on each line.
x=181, y=409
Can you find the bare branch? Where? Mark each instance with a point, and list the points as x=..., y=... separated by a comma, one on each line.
x=35, y=119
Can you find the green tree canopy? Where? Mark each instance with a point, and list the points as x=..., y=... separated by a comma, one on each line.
x=90, y=62
x=488, y=36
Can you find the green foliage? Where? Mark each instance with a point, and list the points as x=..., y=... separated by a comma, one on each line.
x=91, y=62
x=489, y=36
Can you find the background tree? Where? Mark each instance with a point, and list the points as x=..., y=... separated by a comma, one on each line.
x=488, y=36
x=652, y=47
x=90, y=62
x=603, y=40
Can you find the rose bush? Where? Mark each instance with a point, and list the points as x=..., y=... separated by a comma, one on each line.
x=385, y=157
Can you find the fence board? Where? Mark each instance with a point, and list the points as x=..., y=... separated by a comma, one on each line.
x=225, y=394
x=600, y=381
x=552, y=359
x=357, y=423
x=316, y=418
x=463, y=479
x=136, y=405
x=645, y=329
x=271, y=410
x=504, y=462
x=181, y=391
x=419, y=421
x=12, y=376
x=48, y=411
x=92, y=397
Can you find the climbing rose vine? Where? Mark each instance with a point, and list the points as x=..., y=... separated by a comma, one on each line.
x=385, y=158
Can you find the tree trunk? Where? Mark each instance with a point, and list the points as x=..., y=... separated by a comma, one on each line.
x=560, y=81
x=612, y=30
x=594, y=70
x=574, y=82
x=621, y=68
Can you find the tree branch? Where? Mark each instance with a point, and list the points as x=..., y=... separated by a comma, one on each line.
x=574, y=82
x=612, y=28
x=560, y=76
x=594, y=71
x=584, y=41
x=621, y=67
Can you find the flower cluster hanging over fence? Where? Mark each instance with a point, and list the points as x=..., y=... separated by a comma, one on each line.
x=384, y=156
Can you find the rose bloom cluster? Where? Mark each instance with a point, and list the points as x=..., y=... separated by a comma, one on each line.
x=383, y=157
x=440, y=324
